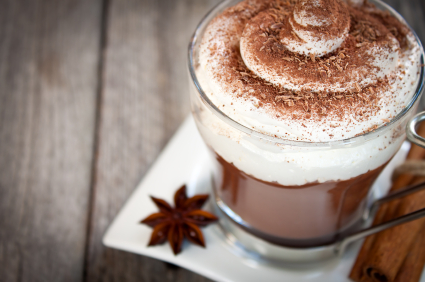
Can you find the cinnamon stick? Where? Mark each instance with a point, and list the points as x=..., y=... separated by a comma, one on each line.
x=387, y=255
x=412, y=267
x=356, y=273
x=385, y=213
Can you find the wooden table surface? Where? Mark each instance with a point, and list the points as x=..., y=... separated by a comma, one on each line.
x=90, y=93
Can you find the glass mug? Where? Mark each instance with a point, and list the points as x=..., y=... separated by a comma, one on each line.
x=301, y=222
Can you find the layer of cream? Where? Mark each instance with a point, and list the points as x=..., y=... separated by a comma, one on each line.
x=401, y=67
x=287, y=164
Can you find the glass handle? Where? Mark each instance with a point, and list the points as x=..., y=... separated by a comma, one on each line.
x=380, y=227
x=395, y=195
x=411, y=130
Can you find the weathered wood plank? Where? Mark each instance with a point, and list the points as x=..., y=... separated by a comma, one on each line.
x=144, y=99
x=49, y=54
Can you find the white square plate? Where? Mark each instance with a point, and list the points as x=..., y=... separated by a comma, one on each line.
x=185, y=160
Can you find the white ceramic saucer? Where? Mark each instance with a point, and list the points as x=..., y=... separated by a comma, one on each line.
x=185, y=160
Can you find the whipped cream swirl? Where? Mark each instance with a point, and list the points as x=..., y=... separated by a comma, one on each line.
x=312, y=71
x=317, y=28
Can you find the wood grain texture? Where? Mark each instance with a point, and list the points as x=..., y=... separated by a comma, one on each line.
x=48, y=76
x=49, y=60
x=144, y=99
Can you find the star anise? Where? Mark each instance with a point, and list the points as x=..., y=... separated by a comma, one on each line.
x=174, y=224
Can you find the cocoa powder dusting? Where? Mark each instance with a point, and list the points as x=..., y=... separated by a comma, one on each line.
x=270, y=21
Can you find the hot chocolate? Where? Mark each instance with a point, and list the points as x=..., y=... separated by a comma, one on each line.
x=274, y=212
x=302, y=106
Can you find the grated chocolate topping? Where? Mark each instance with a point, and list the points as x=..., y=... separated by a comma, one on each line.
x=344, y=82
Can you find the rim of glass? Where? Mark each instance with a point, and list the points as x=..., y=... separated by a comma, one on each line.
x=258, y=135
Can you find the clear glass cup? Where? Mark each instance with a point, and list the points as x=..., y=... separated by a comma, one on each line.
x=256, y=210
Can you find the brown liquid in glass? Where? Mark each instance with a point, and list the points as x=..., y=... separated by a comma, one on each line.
x=299, y=216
